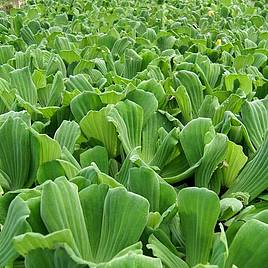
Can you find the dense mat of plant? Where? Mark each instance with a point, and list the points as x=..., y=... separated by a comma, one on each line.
x=134, y=134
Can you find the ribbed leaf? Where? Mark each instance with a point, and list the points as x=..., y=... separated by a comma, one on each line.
x=194, y=89
x=214, y=154
x=232, y=103
x=56, y=90
x=220, y=249
x=67, y=134
x=132, y=63
x=156, y=88
x=96, y=125
x=69, y=56
x=242, y=61
x=58, y=258
x=6, y=52
x=53, y=169
x=120, y=46
x=167, y=149
x=143, y=181
x=27, y=35
x=244, y=82
x=98, y=155
x=249, y=247
x=83, y=103
x=229, y=207
x=169, y=259
x=209, y=73
x=15, y=224
x=127, y=117
x=22, y=81
x=43, y=149
x=200, y=131
x=61, y=209
x=132, y=260
x=42, y=257
x=234, y=161
x=254, y=116
x=146, y=100
x=259, y=59
x=39, y=78
x=184, y=102
x=22, y=59
x=79, y=82
x=150, y=135
x=111, y=227
x=15, y=152
x=209, y=106
x=30, y=241
x=253, y=178
x=199, y=209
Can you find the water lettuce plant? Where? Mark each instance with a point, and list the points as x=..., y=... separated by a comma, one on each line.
x=134, y=134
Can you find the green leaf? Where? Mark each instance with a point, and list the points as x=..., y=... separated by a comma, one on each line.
x=27, y=242
x=194, y=89
x=56, y=90
x=61, y=209
x=15, y=224
x=98, y=155
x=67, y=134
x=144, y=181
x=96, y=125
x=96, y=228
x=232, y=103
x=22, y=59
x=234, y=161
x=169, y=259
x=209, y=72
x=110, y=226
x=200, y=131
x=27, y=35
x=59, y=258
x=16, y=153
x=249, y=247
x=156, y=88
x=120, y=46
x=167, y=149
x=259, y=59
x=253, y=177
x=69, y=56
x=220, y=249
x=43, y=149
x=83, y=103
x=184, y=102
x=133, y=63
x=230, y=207
x=39, y=78
x=245, y=82
x=6, y=52
x=21, y=80
x=214, y=154
x=150, y=135
x=209, y=106
x=127, y=117
x=132, y=260
x=53, y=169
x=199, y=209
x=80, y=82
x=242, y=61
x=112, y=97
x=254, y=116
x=146, y=100
x=42, y=257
